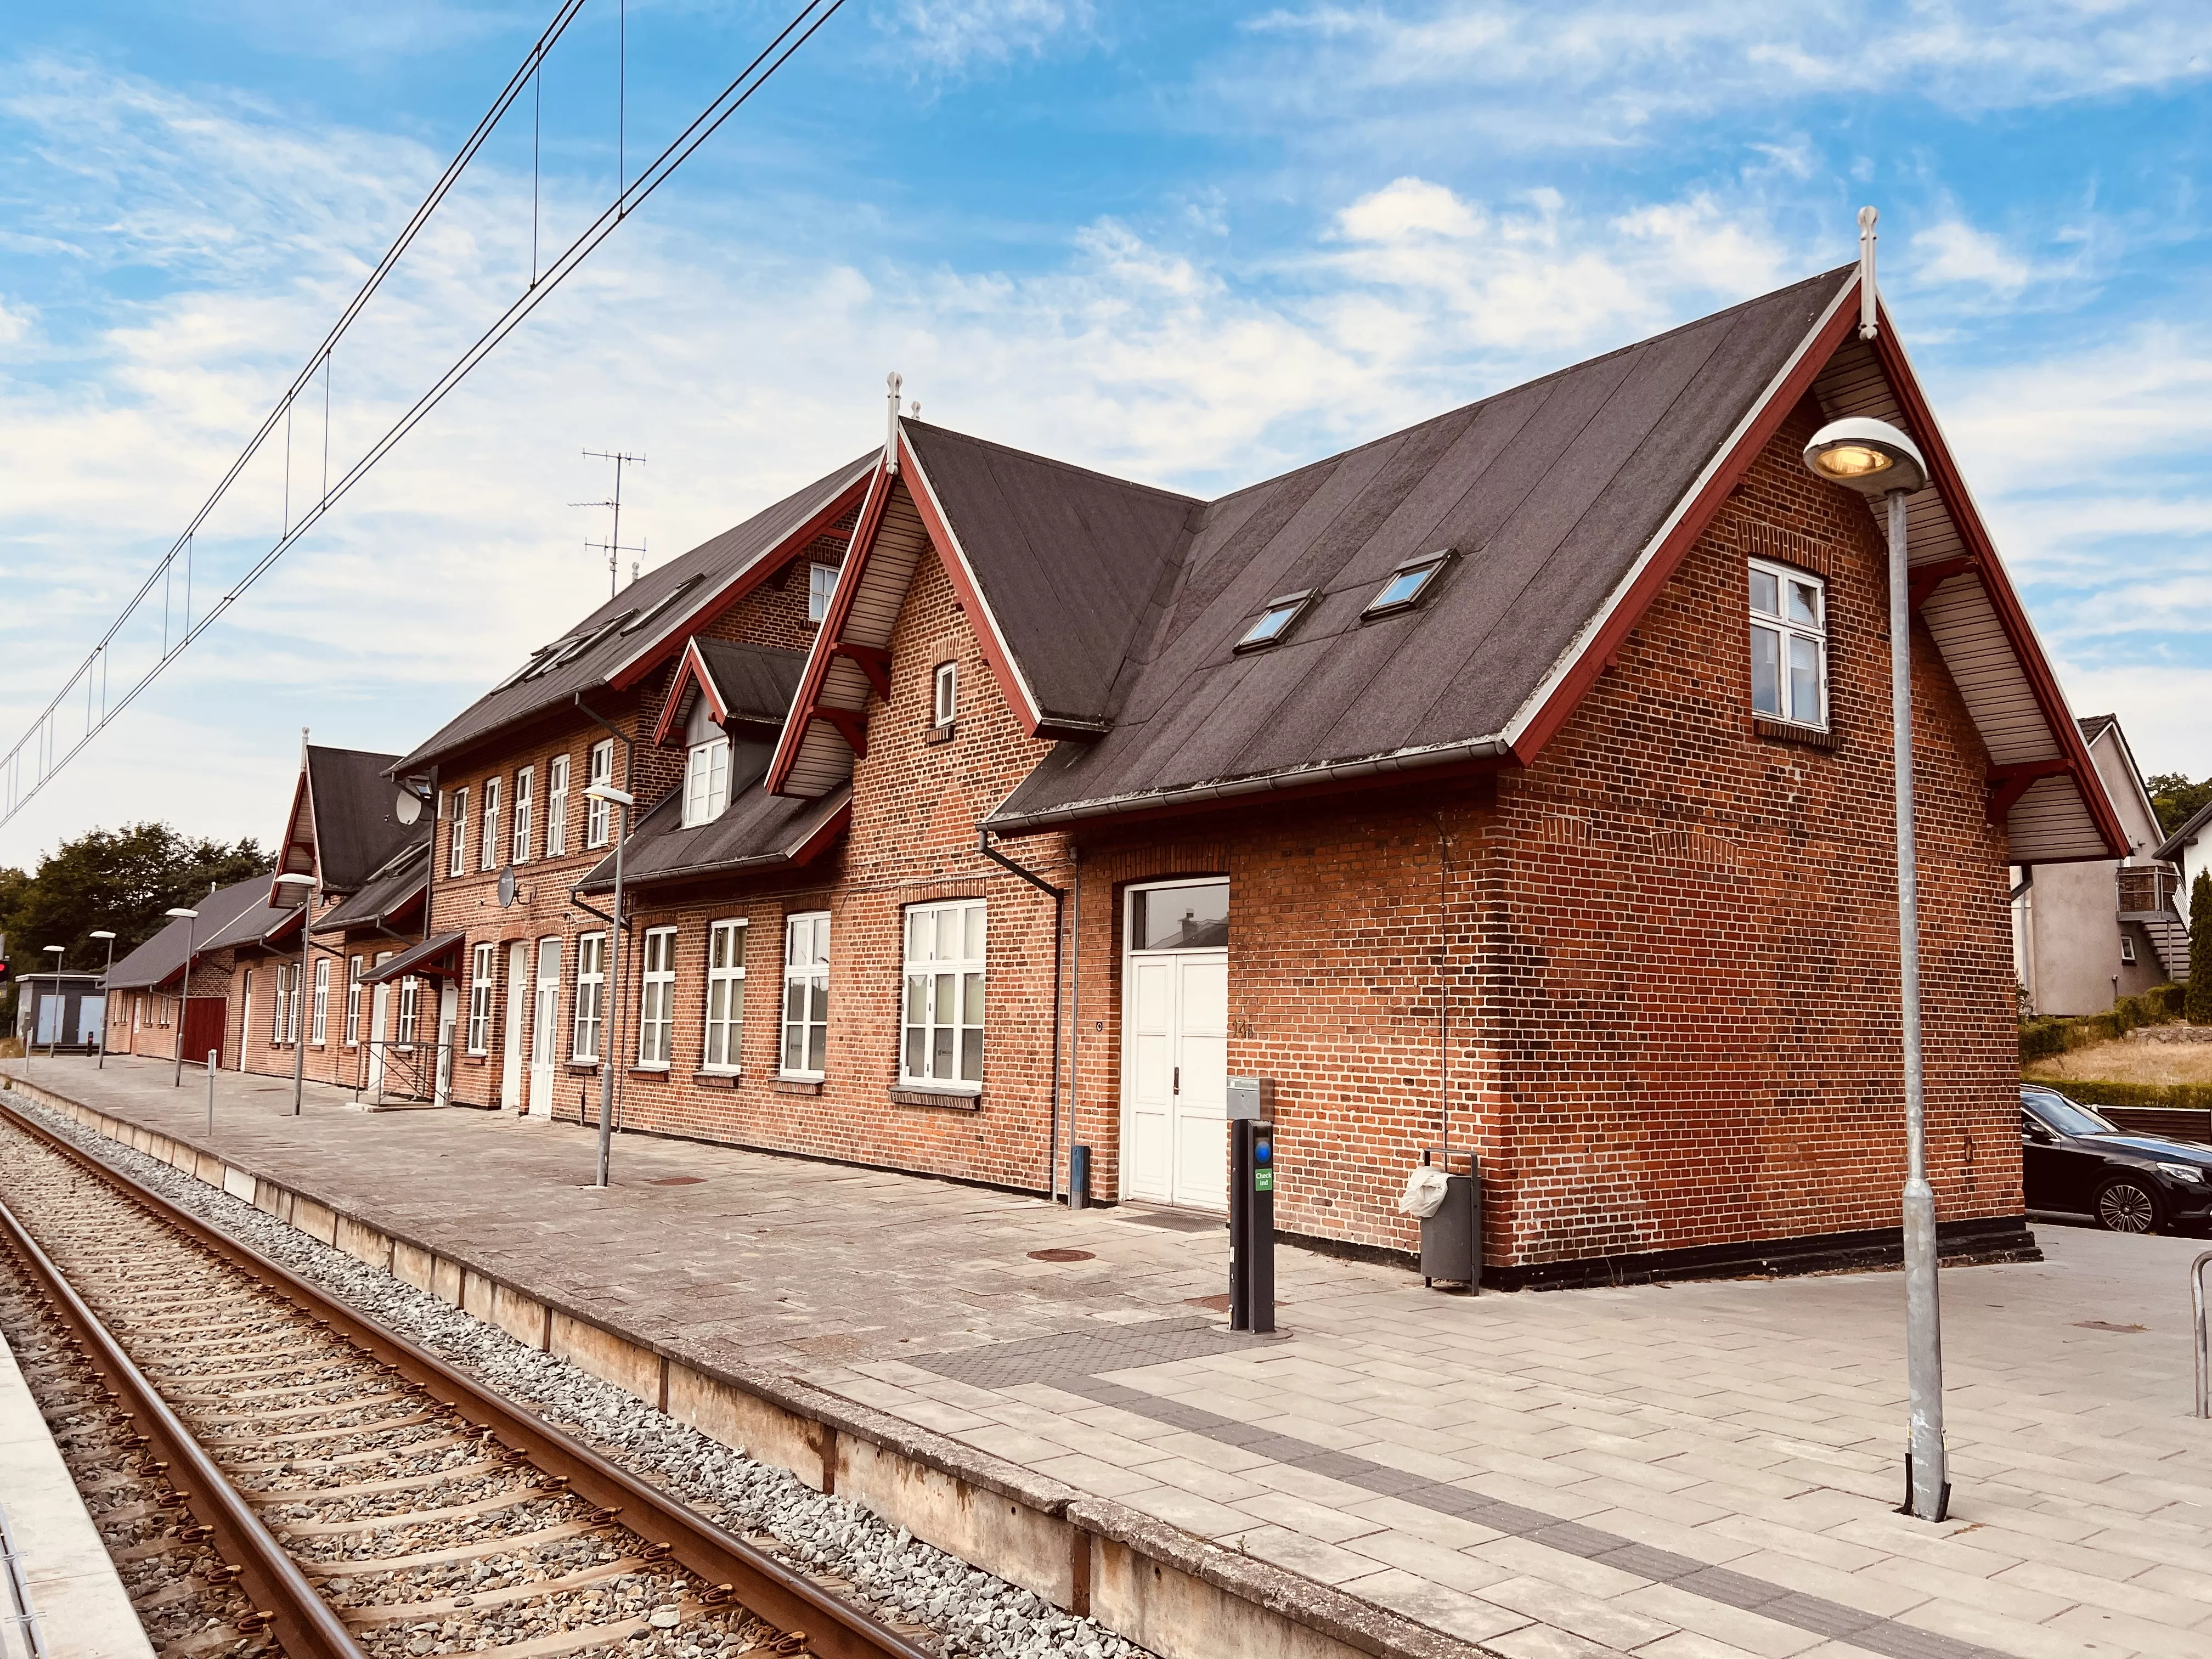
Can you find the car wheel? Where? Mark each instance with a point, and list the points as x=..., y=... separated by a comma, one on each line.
x=2127, y=1205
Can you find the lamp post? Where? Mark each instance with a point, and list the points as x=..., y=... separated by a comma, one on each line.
x=184, y=991
x=58, y=950
x=108, y=934
x=306, y=949
x=1879, y=462
x=622, y=800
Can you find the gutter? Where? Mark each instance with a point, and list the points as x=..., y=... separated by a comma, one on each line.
x=1269, y=783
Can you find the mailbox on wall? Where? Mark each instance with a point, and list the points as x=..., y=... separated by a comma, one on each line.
x=1252, y=1099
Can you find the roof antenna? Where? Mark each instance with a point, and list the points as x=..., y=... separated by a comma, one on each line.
x=1867, y=295
x=612, y=547
x=890, y=427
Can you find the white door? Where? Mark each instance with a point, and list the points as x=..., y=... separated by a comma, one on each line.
x=517, y=998
x=1175, y=1144
x=245, y=1019
x=380, y=1032
x=545, y=1027
x=449, y=1020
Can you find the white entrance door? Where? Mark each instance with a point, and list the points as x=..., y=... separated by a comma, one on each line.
x=449, y=1021
x=545, y=1027
x=1174, y=1046
x=517, y=998
x=380, y=1032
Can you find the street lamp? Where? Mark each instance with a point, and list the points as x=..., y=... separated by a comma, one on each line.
x=623, y=800
x=59, y=951
x=1877, y=460
x=102, y=933
x=307, y=946
x=185, y=991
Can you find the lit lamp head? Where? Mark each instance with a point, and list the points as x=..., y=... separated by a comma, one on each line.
x=100, y=933
x=607, y=792
x=1871, y=457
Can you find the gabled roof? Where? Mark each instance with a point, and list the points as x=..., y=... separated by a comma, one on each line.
x=2196, y=824
x=388, y=893
x=757, y=831
x=344, y=822
x=220, y=916
x=745, y=685
x=621, y=639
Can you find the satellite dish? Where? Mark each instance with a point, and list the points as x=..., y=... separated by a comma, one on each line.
x=507, y=887
x=409, y=807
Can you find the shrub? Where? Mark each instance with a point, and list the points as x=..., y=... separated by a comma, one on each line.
x=2046, y=1039
x=2200, y=949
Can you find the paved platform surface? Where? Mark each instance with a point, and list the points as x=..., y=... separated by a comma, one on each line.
x=1686, y=1472
x=84, y=1610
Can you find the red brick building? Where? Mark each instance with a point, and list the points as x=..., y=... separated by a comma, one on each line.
x=1519, y=780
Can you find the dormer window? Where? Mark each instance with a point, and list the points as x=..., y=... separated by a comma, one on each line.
x=1408, y=584
x=1274, y=623
x=706, y=781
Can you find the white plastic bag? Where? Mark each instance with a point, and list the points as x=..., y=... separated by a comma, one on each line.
x=1424, y=1193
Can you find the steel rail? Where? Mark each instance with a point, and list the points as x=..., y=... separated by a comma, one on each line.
x=305, y=1623
x=831, y=1627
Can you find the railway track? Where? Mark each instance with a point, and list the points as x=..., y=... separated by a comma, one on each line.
x=365, y=1498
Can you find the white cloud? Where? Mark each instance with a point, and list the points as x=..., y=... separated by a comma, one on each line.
x=2160, y=705
x=1955, y=251
x=954, y=34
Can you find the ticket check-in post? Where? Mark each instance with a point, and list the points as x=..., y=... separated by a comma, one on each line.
x=1251, y=1204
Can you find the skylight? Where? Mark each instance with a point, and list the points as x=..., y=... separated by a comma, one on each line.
x=659, y=607
x=1407, y=584
x=1275, y=621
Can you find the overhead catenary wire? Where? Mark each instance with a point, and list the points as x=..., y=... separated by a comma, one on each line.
x=41, y=738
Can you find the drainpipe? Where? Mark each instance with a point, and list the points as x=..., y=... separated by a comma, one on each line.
x=1059, y=946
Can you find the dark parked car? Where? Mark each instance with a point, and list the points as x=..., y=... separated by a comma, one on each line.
x=2071, y=1159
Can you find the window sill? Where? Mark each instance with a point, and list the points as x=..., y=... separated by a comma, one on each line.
x=583, y=1065
x=648, y=1071
x=943, y=1099
x=716, y=1080
x=1811, y=736
x=796, y=1085
x=943, y=733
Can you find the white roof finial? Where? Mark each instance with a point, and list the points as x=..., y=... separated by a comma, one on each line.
x=1867, y=295
x=890, y=427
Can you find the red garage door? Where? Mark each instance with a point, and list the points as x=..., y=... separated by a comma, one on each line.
x=206, y=1018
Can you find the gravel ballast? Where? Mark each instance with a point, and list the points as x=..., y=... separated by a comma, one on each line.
x=970, y=1611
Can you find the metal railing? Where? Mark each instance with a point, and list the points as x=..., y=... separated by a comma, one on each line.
x=2148, y=889
x=390, y=1070
x=21, y=1617
x=2203, y=1351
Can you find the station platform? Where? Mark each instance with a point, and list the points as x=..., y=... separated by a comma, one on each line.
x=83, y=1609
x=1694, y=1471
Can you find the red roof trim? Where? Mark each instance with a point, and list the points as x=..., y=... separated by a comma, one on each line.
x=823, y=651
x=1566, y=697
x=751, y=577
x=955, y=562
x=692, y=671
x=2012, y=616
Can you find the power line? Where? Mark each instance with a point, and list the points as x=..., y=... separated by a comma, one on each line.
x=40, y=739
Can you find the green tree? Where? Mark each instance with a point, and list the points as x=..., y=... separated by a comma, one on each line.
x=2175, y=800
x=2198, y=1006
x=122, y=879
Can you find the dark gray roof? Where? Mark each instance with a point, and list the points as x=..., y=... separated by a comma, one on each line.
x=1547, y=493
x=223, y=915
x=2195, y=825
x=757, y=831
x=755, y=683
x=357, y=829
x=415, y=956
x=716, y=563
x=1074, y=565
x=2094, y=726
x=384, y=894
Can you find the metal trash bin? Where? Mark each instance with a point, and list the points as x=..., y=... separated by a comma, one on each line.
x=1451, y=1239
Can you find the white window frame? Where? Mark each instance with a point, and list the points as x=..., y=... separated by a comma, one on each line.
x=587, y=1017
x=457, y=833
x=280, y=1016
x=1787, y=636
x=404, y=1030
x=944, y=694
x=488, y=855
x=480, y=988
x=598, y=815
x=556, y=806
x=656, y=1000
x=942, y=996
x=353, y=1001
x=318, y=1024
x=723, y=1048
x=2127, y=951
x=820, y=591
x=706, y=781
x=805, y=970
x=525, y=783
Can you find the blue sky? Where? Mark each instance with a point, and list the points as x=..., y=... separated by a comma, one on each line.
x=1194, y=243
